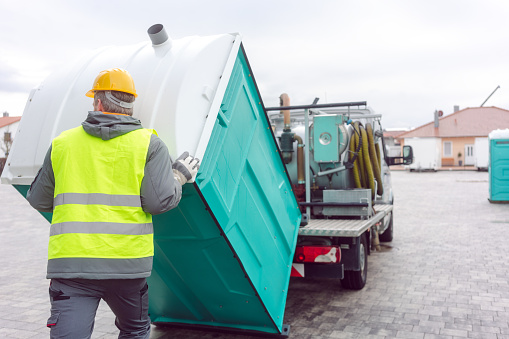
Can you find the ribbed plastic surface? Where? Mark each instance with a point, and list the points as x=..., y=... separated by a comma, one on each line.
x=223, y=258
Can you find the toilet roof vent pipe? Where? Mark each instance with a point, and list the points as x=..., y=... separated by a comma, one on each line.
x=158, y=35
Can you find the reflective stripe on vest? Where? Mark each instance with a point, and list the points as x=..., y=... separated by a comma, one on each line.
x=98, y=221
x=101, y=228
x=97, y=199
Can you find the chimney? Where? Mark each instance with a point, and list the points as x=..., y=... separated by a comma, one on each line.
x=456, y=108
x=6, y=114
x=436, y=118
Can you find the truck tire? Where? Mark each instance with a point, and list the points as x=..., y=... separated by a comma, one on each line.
x=356, y=280
x=387, y=235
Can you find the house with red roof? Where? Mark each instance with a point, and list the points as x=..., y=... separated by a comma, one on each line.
x=8, y=128
x=458, y=139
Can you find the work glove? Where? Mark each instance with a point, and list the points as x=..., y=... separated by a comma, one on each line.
x=185, y=168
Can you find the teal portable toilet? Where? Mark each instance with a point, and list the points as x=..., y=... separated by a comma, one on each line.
x=499, y=166
x=223, y=256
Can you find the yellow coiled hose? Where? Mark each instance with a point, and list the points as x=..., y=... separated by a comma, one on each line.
x=375, y=158
x=366, y=163
x=353, y=155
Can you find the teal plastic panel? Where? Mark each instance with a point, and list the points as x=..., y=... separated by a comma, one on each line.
x=499, y=170
x=23, y=190
x=196, y=278
x=223, y=257
x=326, y=138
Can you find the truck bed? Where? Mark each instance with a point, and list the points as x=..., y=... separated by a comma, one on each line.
x=344, y=227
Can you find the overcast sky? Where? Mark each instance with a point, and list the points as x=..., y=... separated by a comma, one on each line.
x=405, y=58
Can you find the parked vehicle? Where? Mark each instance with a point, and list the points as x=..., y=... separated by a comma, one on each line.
x=482, y=154
x=426, y=153
x=340, y=173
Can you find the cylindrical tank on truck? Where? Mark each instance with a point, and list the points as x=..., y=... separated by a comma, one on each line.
x=339, y=168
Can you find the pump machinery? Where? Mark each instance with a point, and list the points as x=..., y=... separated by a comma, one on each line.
x=337, y=163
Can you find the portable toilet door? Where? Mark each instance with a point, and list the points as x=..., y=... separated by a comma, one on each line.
x=499, y=166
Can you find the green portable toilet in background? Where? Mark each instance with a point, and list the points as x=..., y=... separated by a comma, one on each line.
x=499, y=166
x=223, y=256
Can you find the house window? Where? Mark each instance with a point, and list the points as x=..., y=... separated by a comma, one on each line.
x=7, y=137
x=447, y=149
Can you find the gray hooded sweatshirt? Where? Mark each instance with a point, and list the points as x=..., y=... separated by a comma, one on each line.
x=160, y=192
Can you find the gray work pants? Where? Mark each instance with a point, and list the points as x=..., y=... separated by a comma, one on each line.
x=74, y=303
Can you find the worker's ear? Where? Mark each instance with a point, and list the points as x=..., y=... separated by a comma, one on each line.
x=99, y=106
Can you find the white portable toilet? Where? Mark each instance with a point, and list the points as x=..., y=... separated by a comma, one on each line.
x=223, y=257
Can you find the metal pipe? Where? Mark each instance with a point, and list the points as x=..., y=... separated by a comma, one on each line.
x=158, y=35
x=343, y=104
x=331, y=171
x=306, y=163
x=284, y=100
x=352, y=116
x=347, y=204
x=300, y=159
x=490, y=96
x=365, y=116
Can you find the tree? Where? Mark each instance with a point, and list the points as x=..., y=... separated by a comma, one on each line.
x=6, y=143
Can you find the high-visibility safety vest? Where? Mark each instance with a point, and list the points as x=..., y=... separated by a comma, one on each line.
x=99, y=229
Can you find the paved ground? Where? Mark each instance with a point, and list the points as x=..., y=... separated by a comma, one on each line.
x=445, y=275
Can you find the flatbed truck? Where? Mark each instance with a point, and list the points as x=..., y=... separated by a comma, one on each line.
x=342, y=221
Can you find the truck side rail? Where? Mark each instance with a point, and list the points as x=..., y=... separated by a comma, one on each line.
x=317, y=106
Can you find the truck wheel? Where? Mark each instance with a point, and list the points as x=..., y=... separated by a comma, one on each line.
x=387, y=235
x=355, y=280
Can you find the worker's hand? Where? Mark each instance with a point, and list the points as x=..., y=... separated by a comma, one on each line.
x=181, y=178
x=185, y=168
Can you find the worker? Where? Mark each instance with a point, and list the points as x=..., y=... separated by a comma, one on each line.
x=103, y=181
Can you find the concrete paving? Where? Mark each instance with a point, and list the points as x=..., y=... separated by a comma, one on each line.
x=445, y=275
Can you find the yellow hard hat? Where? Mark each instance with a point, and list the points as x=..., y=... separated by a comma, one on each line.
x=113, y=79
